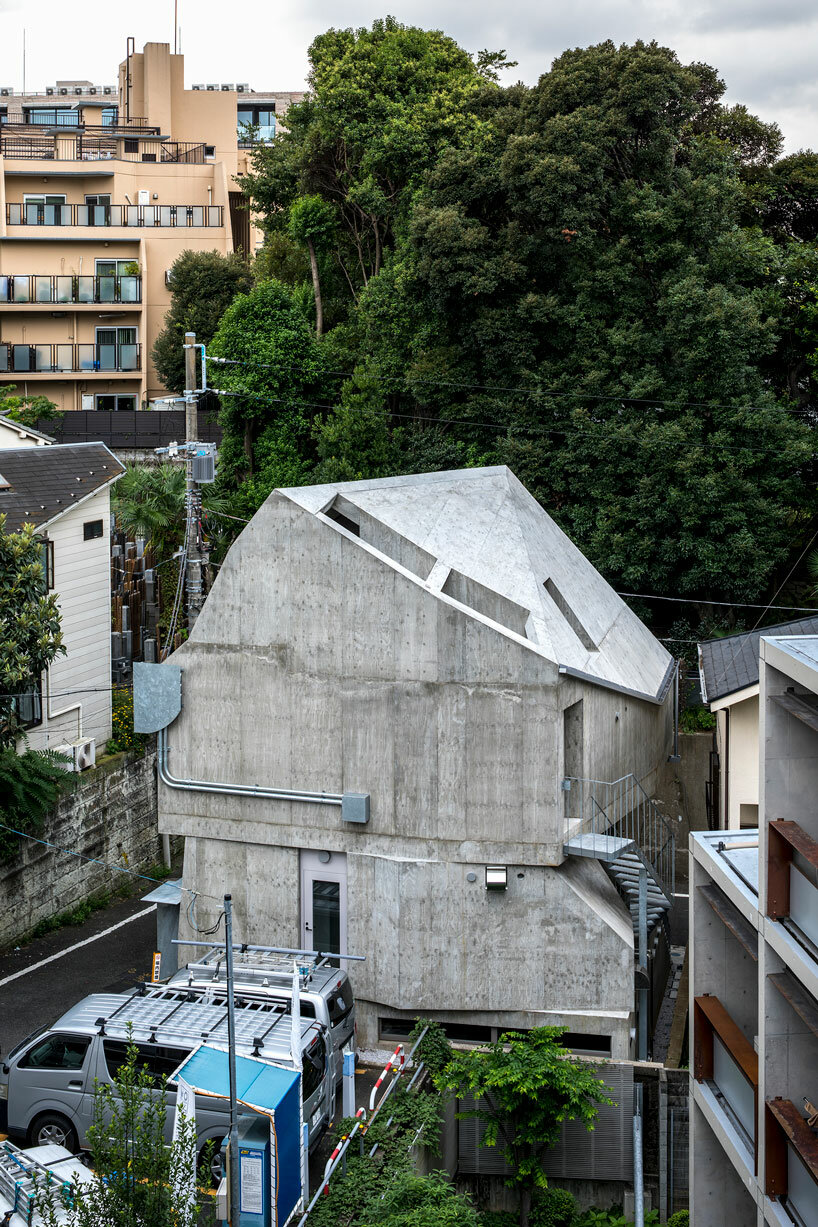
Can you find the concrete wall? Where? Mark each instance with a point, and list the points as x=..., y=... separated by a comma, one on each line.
x=111, y=816
x=316, y=665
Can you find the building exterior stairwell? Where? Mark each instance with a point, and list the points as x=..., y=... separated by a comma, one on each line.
x=618, y=824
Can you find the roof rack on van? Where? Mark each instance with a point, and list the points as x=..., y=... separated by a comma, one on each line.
x=243, y=947
x=193, y=1016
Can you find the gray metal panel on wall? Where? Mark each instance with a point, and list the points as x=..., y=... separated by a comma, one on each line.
x=157, y=696
x=606, y=1153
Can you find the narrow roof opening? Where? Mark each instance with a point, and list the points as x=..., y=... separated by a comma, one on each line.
x=332, y=513
x=569, y=615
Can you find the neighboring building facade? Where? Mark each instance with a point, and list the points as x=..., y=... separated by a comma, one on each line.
x=754, y=974
x=65, y=492
x=101, y=188
x=728, y=670
x=436, y=644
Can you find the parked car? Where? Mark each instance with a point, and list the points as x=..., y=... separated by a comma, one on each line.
x=325, y=991
x=48, y=1080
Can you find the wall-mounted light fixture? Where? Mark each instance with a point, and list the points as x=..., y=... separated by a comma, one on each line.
x=496, y=877
x=325, y=857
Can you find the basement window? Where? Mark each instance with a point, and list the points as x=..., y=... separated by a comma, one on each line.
x=398, y=1029
x=586, y=1044
x=569, y=615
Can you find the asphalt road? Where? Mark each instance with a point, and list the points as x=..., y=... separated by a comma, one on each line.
x=110, y=963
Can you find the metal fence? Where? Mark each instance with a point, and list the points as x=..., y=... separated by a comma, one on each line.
x=31, y=213
x=68, y=288
x=100, y=148
x=126, y=428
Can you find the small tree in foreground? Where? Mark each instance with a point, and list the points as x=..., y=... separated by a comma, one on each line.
x=525, y=1087
x=137, y=1181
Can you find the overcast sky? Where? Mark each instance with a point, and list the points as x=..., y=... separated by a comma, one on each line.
x=766, y=50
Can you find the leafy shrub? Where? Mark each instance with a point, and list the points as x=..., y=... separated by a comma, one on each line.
x=553, y=1207
x=680, y=1219
x=123, y=736
x=697, y=720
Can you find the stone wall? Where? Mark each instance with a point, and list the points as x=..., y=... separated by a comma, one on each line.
x=111, y=816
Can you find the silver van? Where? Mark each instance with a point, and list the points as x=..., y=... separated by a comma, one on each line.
x=48, y=1080
x=259, y=975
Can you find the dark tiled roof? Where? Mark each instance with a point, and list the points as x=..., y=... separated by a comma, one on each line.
x=39, y=483
x=730, y=664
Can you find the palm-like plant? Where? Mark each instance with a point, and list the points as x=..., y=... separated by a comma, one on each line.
x=149, y=502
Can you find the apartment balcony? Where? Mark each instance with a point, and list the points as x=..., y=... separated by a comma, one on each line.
x=725, y=1058
x=792, y=897
x=74, y=144
x=50, y=117
x=35, y=291
x=791, y=1161
x=82, y=358
x=105, y=216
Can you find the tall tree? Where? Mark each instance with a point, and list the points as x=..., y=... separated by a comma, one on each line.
x=203, y=285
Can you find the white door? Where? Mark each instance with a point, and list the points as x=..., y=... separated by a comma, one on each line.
x=324, y=901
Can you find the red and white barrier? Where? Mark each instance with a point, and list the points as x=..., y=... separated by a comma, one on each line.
x=396, y=1061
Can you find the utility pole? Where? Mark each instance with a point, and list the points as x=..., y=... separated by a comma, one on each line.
x=193, y=502
x=233, y=1152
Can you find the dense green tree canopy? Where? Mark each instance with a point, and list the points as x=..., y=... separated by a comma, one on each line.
x=203, y=284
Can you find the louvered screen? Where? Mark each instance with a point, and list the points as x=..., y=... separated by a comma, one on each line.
x=606, y=1153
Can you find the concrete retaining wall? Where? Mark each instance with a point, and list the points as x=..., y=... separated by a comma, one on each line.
x=110, y=816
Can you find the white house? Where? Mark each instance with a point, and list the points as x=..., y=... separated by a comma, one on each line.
x=14, y=434
x=396, y=710
x=64, y=491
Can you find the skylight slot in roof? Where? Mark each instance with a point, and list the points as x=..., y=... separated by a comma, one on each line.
x=486, y=601
x=570, y=617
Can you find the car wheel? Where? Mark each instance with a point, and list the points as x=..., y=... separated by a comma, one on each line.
x=52, y=1129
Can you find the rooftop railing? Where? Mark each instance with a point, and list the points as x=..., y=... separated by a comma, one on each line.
x=57, y=358
x=33, y=214
x=35, y=118
x=70, y=288
x=73, y=144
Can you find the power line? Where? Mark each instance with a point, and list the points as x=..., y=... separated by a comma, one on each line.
x=690, y=600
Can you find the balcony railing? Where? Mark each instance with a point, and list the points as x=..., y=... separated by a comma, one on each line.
x=791, y=1162
x=723, y=1055
x=101, y=215
x=792, y=855
x=75, y=119
x=72, y=144
x=67, y=288
x=81, y=356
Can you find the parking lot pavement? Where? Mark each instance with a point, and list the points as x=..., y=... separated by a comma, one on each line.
x=110, y=953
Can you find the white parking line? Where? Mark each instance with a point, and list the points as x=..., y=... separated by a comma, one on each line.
x=87, y=942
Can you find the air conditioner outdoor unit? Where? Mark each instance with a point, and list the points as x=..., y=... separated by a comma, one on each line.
x=49, y=89
x=4, y=93
x=63, y=89
x=77, y=89
x=212, y=87
x=107, y=89
x=92, y=89
x=244, y=88
x=227, y=88
x=83, y=754
x=197, y=87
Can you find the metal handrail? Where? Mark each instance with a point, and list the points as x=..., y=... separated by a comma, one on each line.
x=30, y=213
x=23, y=288
x=98, y=147
x=56, y=357
x=622, y=807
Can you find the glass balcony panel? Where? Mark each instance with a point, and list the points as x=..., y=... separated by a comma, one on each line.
x=802, y=1195
x=180, y=216
x=83, y=212
x=43, y=360
x=128, y=357
x=197, y=215
x=804, y=904
x=734, y=1087
x=22, y=289
x=65, y=289
x=85, y=288
x=64, y=357
x=106, y=291
x=87, y=357
x=106, y=357
x=213, y=215
x=15, y=214
x=100, y=215
x=165, y=215
x=116, y=215
x=43, y=290
x=130, y=288
x=5, y=357
x=33, y=213
x=22, y=358
x=52, y=214
x=150, y=215
x=5, y=288
x=266, y=132
x=131, y=217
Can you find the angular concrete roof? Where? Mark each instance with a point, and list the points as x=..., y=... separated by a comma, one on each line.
x=478, y=538
x=730, y=664
x=39, y=484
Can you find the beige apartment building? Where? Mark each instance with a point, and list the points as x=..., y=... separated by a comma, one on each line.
x=101, y=188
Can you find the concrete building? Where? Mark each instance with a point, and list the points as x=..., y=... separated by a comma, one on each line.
x=397, y=707
x=754, y=974
x=728, y=671
x=64, y=491
x=101, y=188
